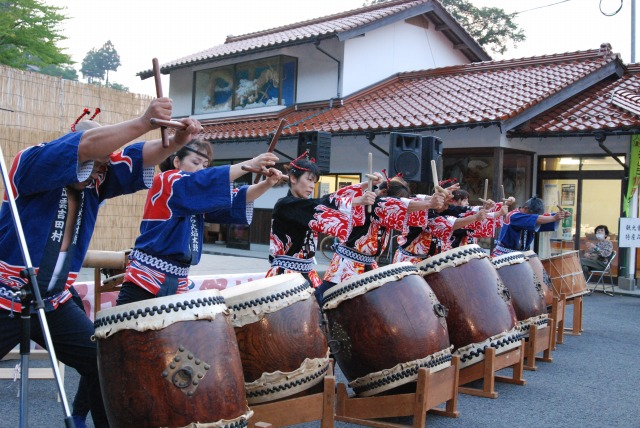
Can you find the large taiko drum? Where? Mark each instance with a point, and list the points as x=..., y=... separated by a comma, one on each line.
x=480, y=313
x=527, y=296
x=540, y=277
x=565, y=273
x=386, y=325
x=283, y=349
x=171, y=361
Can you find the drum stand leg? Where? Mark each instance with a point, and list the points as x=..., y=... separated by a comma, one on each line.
x=539, y=341
x=487, y=368
x=298, y=410
x=557, y=320
x=576, y=328
x=432, y=389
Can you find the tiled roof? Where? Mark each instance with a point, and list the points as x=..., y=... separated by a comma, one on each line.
x=330, y=26
x=464, y=95
x=612, y=105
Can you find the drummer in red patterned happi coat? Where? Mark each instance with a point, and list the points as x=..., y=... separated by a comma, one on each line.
x=391, y=211
x=297, y=219
x=434, y=236
x=459, y=207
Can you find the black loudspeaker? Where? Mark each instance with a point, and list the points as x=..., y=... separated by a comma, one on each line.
x=319, y=145
x=411, y=156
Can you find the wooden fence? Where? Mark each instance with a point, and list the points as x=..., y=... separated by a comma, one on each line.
x=36, y=108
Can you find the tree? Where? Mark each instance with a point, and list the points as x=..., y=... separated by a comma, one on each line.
x=110, y=60
x=492, y=27
x=119, y=87
x=98, y=62
x=28, y=34
x=68, y=73
x=91, y=68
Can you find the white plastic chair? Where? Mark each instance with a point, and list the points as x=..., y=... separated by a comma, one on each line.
x=603, y=273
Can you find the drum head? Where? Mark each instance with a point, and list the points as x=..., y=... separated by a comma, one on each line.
x=160, y=312
x=251, y=301
x=361, y=284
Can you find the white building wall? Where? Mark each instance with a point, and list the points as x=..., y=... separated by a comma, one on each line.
x=317, y=78
x=392, y=49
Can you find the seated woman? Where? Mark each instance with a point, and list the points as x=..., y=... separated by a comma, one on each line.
x=597, y=254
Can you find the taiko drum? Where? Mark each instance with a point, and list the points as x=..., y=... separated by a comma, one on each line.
x=171, y=361
x=541, y=277
x=384, y=325
x=480, y=312
x=283, y=349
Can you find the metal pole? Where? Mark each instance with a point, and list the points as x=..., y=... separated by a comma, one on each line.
x=633, y=31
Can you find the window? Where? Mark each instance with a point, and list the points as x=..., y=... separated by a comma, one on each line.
x=329, y=183
x=260, y=83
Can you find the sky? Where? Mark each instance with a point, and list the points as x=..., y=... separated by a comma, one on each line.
x=143, y=29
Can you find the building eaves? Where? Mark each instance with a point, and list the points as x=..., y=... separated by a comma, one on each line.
x=343, y=26
x=484, y=94
x=593, y=110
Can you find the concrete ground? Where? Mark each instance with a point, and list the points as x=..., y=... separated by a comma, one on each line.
x=592, y=382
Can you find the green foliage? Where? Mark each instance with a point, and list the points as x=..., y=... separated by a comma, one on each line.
x=119, y=87
x=97, y=63
x=29, y=31
x=68, y=73
x=492, y=27
x=91, y=68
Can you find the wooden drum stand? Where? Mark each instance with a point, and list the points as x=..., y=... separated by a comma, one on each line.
x=298, y=410
x=432, y=389
x=487, y=368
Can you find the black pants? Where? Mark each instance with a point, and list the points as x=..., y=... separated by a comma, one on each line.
x=71, y=332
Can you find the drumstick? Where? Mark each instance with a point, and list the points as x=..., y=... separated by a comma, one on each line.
x=486, y=185
x=262, y=172
x=502, y=192
x=434, y=175
x=168, y=123
x=272, y=144
x=156, y=76
x=370, y=179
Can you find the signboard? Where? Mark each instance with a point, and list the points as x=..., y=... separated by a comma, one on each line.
x=567, y=223
x=629, y=236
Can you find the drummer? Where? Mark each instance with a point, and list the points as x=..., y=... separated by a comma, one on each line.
x=182, y=197
x=459, y=207
x=357, y=254
x=297, y=219
x=435, y=236
x=521, y=225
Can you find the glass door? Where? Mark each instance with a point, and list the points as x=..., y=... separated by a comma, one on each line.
x=559, y=193
x=600, y=205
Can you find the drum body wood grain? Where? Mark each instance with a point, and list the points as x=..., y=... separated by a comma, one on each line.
x=283, y=349
x=170, y=361
x=540, y=277
x=517, y=275
x=527, y=296
x=565, y=273
x=386, y=324
x=479, y=306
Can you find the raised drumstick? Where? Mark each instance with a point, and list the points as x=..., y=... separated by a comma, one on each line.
x=168, y=123
x=262, y=172
x=434, y=175
x=370, y=179
x=272, y=144
x=156, y=77
x=486, y=186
